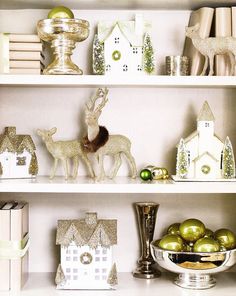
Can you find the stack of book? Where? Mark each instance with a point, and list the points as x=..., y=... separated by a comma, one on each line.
x=21, y=54
x=218, y=22
x=14, y=245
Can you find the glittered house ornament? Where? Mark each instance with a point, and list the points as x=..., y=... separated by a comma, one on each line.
x=202, y=155
x=86, y=253
x=123, y=47
x=17, y=155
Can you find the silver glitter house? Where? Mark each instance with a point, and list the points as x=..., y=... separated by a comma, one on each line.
x=86, y=253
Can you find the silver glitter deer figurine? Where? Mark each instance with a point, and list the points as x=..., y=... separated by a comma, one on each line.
x=209, y=47
x=64, y=150
x=100, y=142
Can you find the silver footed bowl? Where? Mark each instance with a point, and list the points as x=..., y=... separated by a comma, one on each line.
x=63, y=34
x=194, y=269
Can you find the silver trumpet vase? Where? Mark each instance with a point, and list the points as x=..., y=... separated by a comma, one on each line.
x=146, y=214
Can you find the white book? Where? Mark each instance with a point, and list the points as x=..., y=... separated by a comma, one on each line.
x=26, y=64
x=203, y=17
x=19, y=228
x=26, y=55
x=5, y=235
x=24, y=38
x=222, y=29
x=24, y=71
x=25, y=46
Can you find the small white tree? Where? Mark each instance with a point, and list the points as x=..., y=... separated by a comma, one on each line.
x=182, y=160
x=98, y=57
x=228, y=163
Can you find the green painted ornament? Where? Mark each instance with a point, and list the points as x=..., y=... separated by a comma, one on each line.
x=192, y=229
x=172, y=242
x=146, y=175
x=226, y=238
x=209, y=233
x=60, y=12
x=206, y=245
x=173, y=229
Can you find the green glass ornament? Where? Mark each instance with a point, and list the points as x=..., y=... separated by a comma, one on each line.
x=173, y=229
x=206, y=245
x=209, y=233
x=146, y=175
x=172, y=242
x=60, y=12
x=192, y=229
x=226, y=238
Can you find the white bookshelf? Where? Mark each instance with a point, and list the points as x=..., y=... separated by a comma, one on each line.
x=42, y=184
x=153, y=111
x=99, y=81
x=43, y=284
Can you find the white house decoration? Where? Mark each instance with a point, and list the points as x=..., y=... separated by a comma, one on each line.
x=17, y=155
x=86, y=253
x=204, y=150
x=119, y=48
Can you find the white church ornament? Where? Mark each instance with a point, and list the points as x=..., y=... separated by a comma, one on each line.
x=17, y=155
x=123, y=47
x=86, y=253
x=202, y=156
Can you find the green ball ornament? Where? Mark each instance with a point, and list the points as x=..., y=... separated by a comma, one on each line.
x=209, y=233
x=173, y=229
x=172, y=242
x=146, y=175
x=226, y=238
x=192, y=229
x=60, y=12
x=206, y=245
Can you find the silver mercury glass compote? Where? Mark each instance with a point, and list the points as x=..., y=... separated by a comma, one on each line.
x=195, y=269
x=63, y=34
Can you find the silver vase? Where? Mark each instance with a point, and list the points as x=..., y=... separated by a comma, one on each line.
x=146, y=214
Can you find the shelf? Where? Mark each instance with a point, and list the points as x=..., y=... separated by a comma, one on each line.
x=118, y=185
x=43, y=284
x=110, y=4
x=140, y=81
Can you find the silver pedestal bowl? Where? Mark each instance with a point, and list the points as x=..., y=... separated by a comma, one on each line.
x=63, y=35
x=195, y=269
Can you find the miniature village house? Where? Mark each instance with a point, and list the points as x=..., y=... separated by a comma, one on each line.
x=204, y=150
x=121, y=48
x=86, y=253
x=17, y=155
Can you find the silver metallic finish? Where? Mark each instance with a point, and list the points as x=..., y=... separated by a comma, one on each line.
x=177, y=66
x=146, y=214
x=195, y=269
x=63, y=35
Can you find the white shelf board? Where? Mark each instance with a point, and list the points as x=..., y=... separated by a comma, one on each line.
x=118, y=185
x=43, y=284
x=111, y=4
x=96, y=80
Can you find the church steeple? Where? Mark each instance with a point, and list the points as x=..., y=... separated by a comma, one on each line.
x=206, y=113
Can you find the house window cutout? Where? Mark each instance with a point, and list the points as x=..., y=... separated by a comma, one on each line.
x=97, y=277
x=104, y=258
x=97, y=259
x=75, y=258
x=104, y=251
x=117, y=40
x=67, y=270
x=139, y=68
x=207, y=124
x=135, y=50
x=108, y=68
x=67, y=258
x=125, y=68
x=75, y=277
x=75, y=252
x=104, y=277
x=104, y=270
x=21, y=160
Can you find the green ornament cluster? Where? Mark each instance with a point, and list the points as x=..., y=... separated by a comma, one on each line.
x=192, y=236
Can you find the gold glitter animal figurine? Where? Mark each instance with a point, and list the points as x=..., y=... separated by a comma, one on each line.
x=100, y=142
x=209, y=47
x=64, y=150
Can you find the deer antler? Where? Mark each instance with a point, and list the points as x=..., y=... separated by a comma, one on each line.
x=103, y=95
